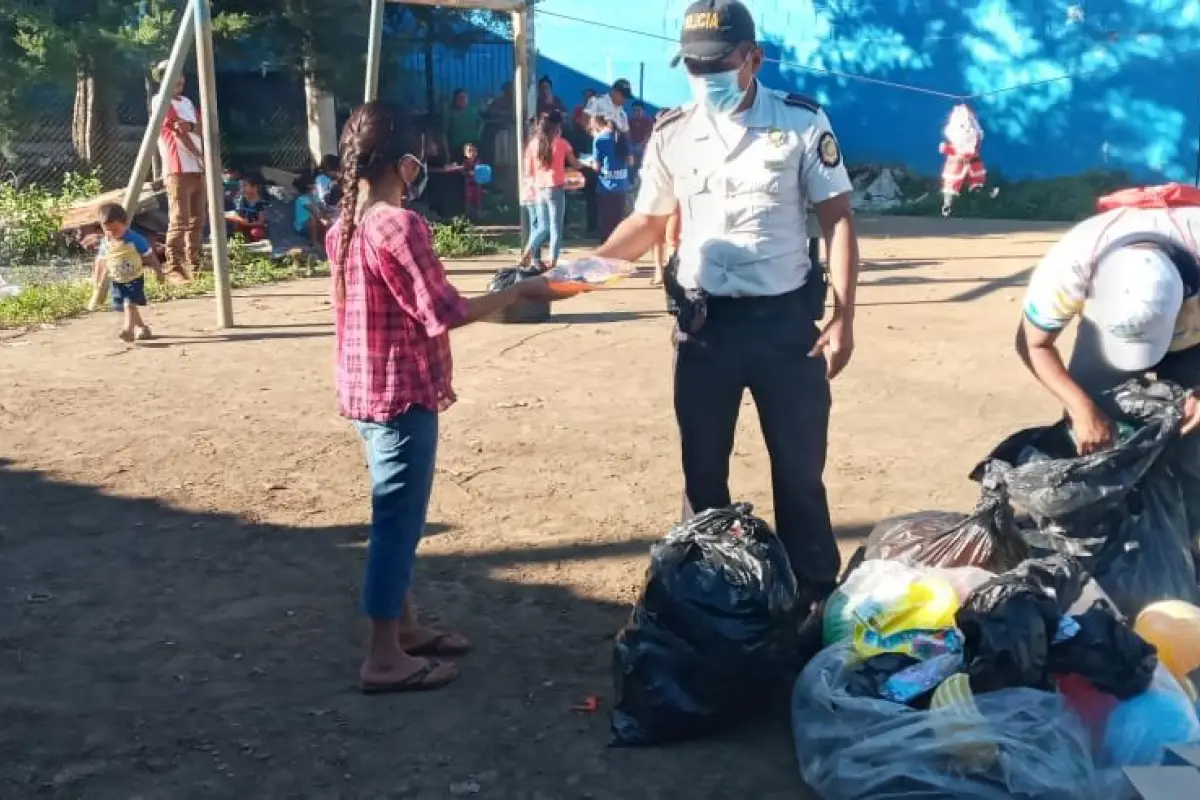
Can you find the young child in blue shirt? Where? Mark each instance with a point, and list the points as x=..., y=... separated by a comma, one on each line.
x=249, y=215
x=122, y=261
x=313, y=217
x=610, y=157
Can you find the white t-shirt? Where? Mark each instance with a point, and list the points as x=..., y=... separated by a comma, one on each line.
x=176, y=158
x=602, y=105
x=1061, y=282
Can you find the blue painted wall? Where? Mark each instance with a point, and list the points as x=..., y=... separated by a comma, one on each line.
x=1130, y=98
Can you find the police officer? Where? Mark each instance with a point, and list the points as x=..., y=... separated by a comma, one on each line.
x=744, y=163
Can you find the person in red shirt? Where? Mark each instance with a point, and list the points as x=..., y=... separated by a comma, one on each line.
x=579, y=117
x=394, y=310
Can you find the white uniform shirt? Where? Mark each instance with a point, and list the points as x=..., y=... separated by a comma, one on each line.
x=1061, y=282
x=603, y=105
x=744, y=186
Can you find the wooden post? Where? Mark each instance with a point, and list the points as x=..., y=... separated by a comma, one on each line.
x=211, y=133
x=523, y=87
x=158, y=109
x=374, y=51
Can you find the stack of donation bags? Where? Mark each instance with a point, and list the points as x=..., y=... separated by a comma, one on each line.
x=985, y=655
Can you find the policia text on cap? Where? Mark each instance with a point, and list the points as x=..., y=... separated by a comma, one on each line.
x=743, y=164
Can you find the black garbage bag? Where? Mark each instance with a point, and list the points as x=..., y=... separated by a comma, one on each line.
x=1014, y=743
x=1122, y=511
x=510, y=276
x=711, y=636
x=987, y=538
x=1009, y=622
x=1107, y=652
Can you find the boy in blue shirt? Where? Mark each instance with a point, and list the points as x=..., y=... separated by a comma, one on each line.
x=610, y=156
x=249, y=215
x=123, y=259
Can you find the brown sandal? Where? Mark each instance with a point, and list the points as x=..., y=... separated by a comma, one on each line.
x=425, y=679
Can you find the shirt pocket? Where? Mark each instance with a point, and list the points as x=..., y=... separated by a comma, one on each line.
x=699, y=201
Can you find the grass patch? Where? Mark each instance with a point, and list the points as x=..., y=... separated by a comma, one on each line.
x=50, y=302
x=1066, y=199
x=458, y=238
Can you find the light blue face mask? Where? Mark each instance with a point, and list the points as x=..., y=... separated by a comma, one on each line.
x=720, y=92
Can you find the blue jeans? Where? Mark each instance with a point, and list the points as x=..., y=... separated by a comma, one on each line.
x=400, y=457
x=532, y=221
x=550, y=222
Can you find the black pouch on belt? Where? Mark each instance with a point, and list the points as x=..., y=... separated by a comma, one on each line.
x=688, y=306
x=816, y=286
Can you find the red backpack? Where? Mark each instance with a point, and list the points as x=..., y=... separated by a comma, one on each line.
x=1169, y=195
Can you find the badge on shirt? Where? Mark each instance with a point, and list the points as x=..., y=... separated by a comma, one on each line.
x=828, y=150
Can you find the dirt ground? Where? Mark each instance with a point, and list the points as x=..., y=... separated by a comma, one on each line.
x=181, y=533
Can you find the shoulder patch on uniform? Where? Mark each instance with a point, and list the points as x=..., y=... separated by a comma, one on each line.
x=828, y=151
x=796, y=100
x=668, y=117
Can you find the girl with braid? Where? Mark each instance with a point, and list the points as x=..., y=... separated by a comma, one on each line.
x=394, y=310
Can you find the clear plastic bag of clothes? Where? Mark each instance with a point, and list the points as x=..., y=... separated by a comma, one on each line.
x=1122, y=510
x=713, y=633
x=1015, y=743
x=987, y=538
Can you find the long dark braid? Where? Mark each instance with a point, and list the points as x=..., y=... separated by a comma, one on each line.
x=373, y=142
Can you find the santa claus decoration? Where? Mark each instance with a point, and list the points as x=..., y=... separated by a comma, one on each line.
x=963, y=168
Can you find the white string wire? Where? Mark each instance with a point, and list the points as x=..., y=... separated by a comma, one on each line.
x=908, y=87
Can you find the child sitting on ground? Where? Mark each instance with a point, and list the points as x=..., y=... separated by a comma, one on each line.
x=231, y=182
x=122, y=261
x=313, y=217
x=249, y=215
x=473, y=191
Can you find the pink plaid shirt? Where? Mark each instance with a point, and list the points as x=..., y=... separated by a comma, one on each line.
x=392, y=332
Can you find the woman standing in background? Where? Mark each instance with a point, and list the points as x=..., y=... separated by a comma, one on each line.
x=547, y=158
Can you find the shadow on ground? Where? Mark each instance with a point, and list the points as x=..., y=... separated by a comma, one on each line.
x=157, y=652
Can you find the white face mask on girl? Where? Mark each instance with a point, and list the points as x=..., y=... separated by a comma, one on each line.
x=417, y=187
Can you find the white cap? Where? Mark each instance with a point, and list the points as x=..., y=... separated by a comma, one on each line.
x=1134, y=301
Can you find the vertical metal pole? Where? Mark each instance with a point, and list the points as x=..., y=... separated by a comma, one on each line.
x=642, y=81
x=522, y=88
x=211, y=134
x=374, y=50
x=158, y=110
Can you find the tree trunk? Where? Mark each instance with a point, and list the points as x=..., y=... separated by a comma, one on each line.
x=94, y=124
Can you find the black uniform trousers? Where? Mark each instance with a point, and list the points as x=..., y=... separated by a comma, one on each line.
x=761, y=344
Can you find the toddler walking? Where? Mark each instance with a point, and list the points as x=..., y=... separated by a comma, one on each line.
x=122, y=261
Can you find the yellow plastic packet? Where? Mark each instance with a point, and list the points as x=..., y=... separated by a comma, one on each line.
x=916, y=619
